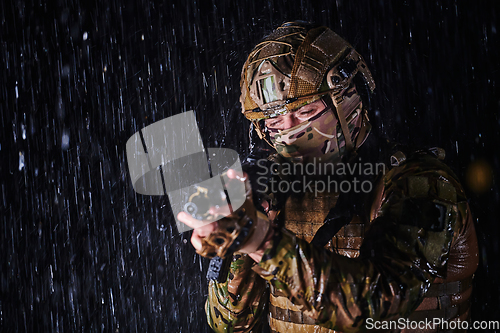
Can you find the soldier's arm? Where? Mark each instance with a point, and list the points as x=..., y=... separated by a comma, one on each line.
x=421, y=212
x=237, y=305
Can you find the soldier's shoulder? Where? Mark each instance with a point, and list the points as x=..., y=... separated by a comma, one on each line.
x=423, y=173
x=420, y=202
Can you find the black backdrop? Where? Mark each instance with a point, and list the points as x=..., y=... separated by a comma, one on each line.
x=81, y=251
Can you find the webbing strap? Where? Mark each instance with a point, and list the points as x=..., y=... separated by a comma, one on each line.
x=449, y=288
x=443, y=292
x=444, y=313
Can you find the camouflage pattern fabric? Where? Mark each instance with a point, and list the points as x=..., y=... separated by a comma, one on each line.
x=239, y=303
x=315, y=137
x=416, y=216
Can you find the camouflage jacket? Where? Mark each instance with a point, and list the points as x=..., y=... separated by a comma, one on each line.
x=418, y=219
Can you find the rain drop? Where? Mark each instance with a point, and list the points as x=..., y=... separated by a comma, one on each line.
x=21, y=160
x=65, y=140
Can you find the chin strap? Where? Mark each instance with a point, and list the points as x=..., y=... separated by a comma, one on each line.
x=256, y=126
x=339, y=113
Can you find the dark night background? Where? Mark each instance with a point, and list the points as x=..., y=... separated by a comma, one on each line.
x=82, y=252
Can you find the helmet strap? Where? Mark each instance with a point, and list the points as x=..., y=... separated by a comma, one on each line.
x=260, y=132
x=339, y=113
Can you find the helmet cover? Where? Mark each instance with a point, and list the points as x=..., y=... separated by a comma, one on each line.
x=296, y=65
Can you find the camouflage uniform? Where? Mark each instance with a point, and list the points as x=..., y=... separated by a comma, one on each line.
x=416, y=259
x=412, y=253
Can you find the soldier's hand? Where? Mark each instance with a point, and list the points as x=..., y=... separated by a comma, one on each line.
x=243, y=230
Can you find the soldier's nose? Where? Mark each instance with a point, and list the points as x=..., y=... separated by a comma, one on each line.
x=290, y=120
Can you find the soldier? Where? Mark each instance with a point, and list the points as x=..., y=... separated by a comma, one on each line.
x=322, y=258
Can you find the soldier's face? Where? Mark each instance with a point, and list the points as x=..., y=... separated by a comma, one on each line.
x=296, y=117
x=305, y=134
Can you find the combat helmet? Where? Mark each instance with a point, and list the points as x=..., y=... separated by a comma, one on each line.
x=297, y=64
